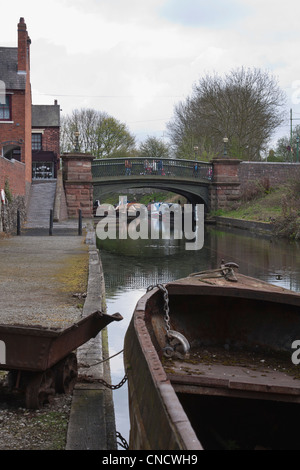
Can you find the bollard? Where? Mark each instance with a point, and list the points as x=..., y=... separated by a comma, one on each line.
x=51, y=222
x=18, y=223
x=79, y=222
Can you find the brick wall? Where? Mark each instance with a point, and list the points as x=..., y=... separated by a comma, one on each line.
x=14, y=130
x=14, y=171
x=272, y=173
x=18, y=130
x=51, y=139
x=77, y=176
x=79, y=196
x=28, y=145
x=225, y=186
x=232, y=176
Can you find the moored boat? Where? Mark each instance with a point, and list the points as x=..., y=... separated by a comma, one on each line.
x=209, y=365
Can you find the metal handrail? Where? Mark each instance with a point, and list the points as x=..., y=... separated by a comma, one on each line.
x=143, y=167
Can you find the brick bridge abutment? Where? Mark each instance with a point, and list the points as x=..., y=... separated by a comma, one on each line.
x=225, y=187
x=78, y=184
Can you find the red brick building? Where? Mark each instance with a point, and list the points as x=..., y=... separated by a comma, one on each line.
x=15, y=113
x=29, y=135
x=45, y=141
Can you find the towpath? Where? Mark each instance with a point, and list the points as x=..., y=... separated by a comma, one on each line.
x=39, y=275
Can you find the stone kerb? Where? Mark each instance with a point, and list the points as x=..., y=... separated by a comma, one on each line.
x=225, y=186
x=77, y=176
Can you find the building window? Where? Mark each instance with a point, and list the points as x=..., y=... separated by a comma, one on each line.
x=5, y=114
x=10, y=152
x=36, y=140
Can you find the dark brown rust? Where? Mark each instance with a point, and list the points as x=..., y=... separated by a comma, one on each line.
x=41, y=361
x=38, y=349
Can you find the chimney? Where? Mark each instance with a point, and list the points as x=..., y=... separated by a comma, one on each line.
x=23, y=47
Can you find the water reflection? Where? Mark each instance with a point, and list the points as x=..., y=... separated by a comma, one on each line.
x=139, y=236
x=139, y=263
x=268, y=259
x=130, y=266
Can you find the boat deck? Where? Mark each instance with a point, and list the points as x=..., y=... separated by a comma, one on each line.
x=235, y=374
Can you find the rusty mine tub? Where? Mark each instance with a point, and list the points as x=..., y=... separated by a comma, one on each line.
x=42, y=361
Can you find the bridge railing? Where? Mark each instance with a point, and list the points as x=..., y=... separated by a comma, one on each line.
x=143, y=167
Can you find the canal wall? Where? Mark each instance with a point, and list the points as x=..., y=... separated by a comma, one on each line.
x=263, y=228
x=92, y=418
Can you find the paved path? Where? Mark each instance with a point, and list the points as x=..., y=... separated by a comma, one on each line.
x=35, y=285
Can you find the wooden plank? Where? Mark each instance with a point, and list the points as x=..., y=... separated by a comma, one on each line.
x=234, y=378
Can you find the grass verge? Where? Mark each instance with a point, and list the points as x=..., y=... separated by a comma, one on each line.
x=279, y=206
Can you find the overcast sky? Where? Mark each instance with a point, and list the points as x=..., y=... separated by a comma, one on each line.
x=135, y=59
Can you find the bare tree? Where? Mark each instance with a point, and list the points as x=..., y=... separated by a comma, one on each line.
x=245, y=106
x=153, y=147
x=99, y=134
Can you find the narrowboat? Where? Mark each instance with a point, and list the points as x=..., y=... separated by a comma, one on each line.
x=212, y=364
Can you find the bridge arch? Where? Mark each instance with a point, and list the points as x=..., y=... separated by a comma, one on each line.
x=178, y=176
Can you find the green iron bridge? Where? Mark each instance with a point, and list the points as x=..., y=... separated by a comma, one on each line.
x=179, y=176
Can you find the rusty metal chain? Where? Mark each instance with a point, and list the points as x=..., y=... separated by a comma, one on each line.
x=163, y=289
x=113, y=387
x=174, y=338
x=123, y=442
x=103, y=382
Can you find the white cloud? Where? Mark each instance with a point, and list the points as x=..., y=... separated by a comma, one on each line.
x=135, y=59
x=201, y=13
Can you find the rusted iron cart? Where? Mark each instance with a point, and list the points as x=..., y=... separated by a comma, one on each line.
x=42, y=361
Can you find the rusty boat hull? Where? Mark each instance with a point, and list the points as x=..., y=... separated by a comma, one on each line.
x=224, y=378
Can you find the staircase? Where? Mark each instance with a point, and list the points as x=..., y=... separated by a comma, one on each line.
x=41, y=201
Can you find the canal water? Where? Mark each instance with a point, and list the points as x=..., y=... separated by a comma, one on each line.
x=130, y=266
